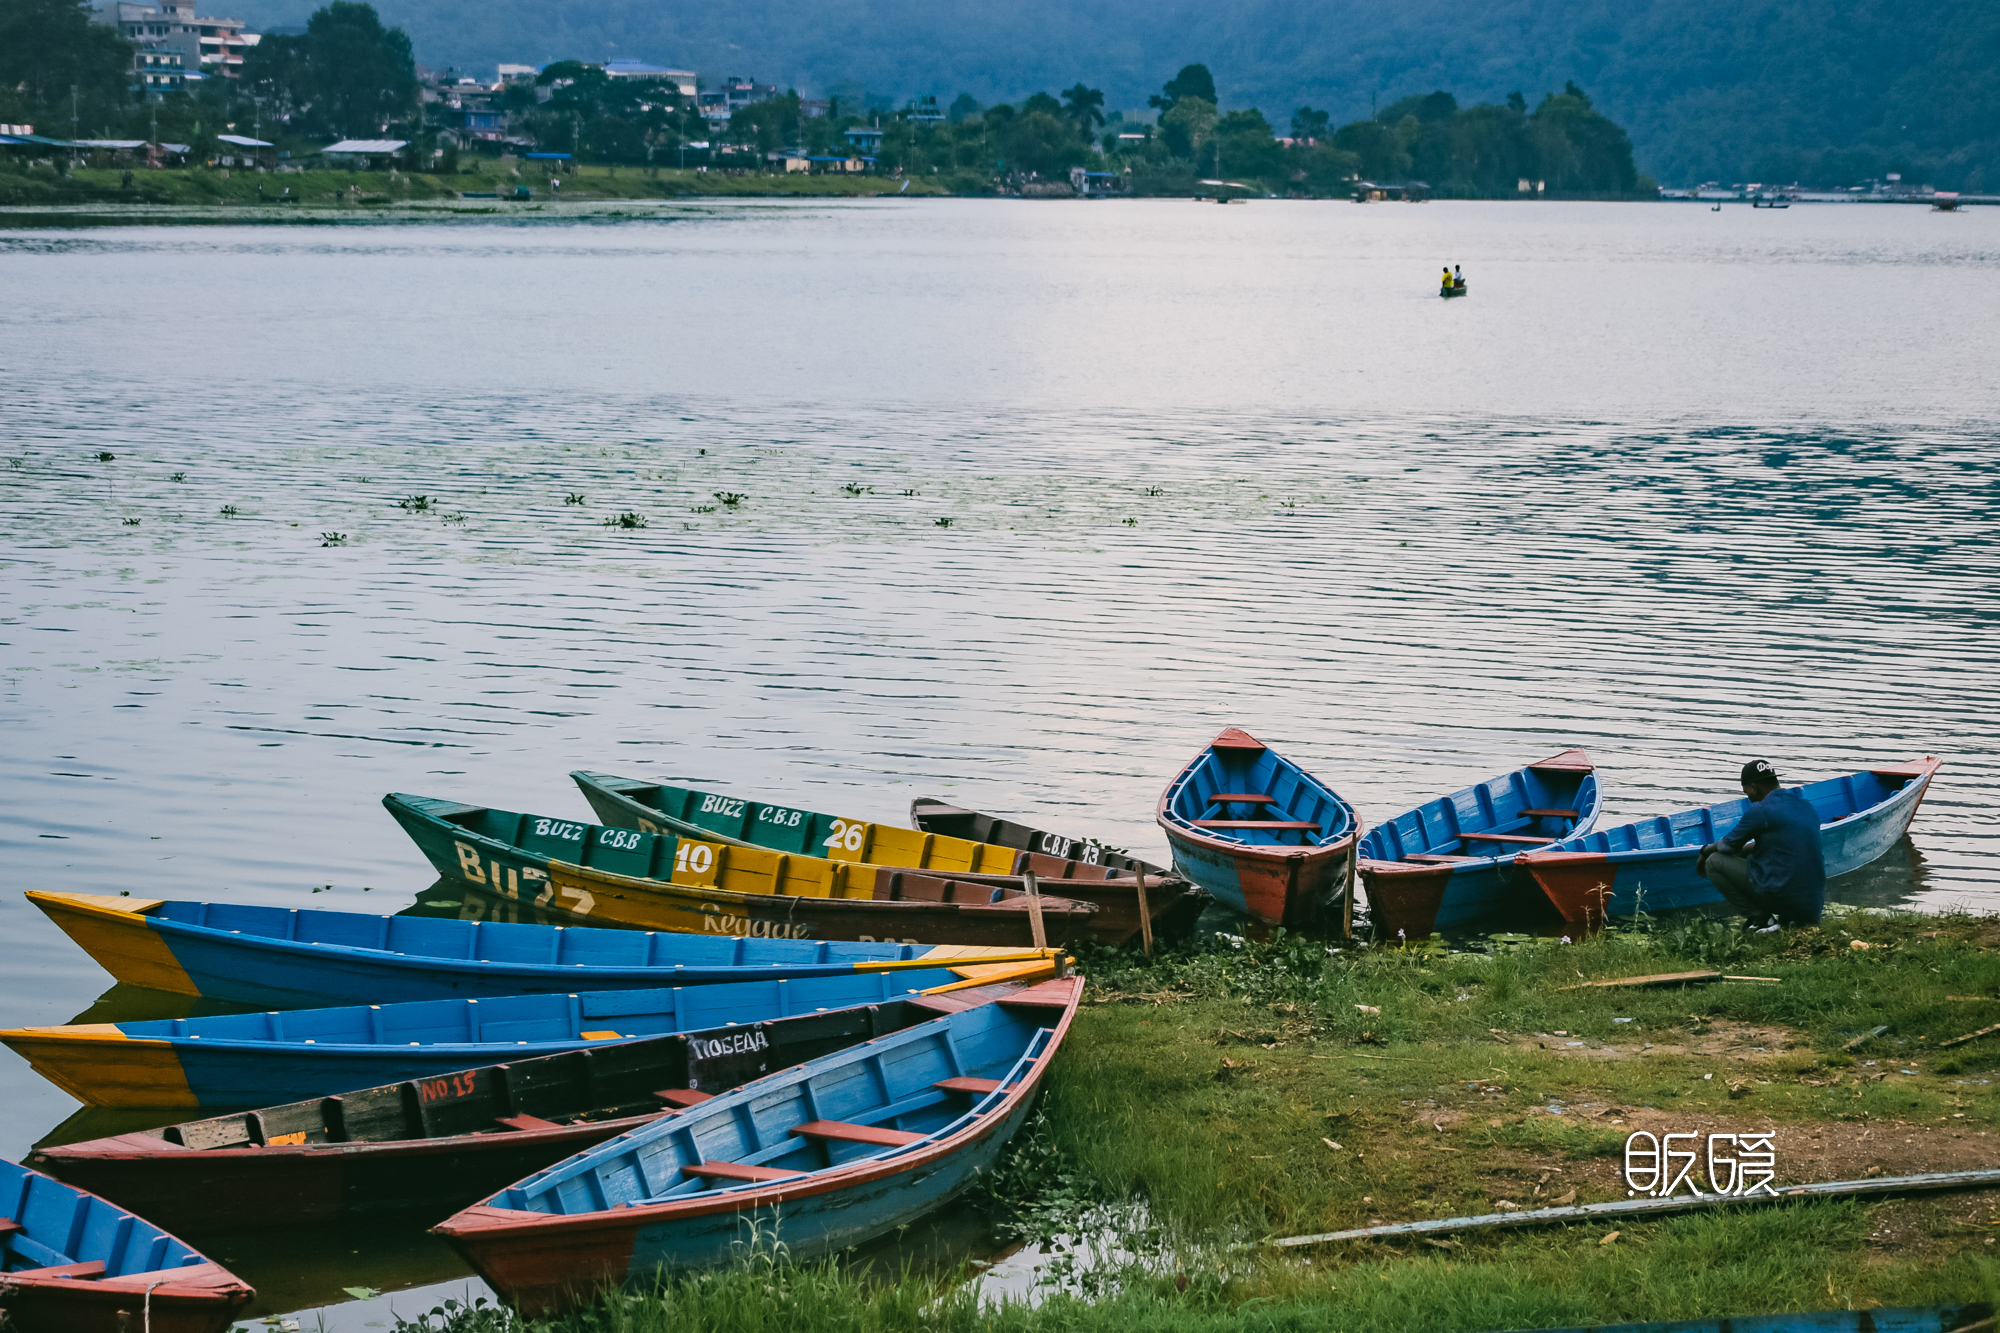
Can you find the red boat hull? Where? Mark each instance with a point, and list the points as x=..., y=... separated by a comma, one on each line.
x=202, y=1299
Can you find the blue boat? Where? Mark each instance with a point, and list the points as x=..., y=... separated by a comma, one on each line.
x=233, y=1061
x=824, y=1155
x=296, y=957
x=1906, y=1319
x=1649, y=864
x=1449, y=863
x=1260, y=833
x=74, y=1263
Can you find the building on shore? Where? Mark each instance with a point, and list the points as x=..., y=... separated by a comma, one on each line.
x=364, y=154
x=683, y=81
x=177, y=46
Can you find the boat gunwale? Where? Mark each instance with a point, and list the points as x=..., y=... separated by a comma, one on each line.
x=1586, y=825
x=1914, y=788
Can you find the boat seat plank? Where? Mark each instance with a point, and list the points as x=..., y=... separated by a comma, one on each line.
x=1051, y=994
x=1440, y=858
x=1502, y=837
x=525, y=1122
x=843, y=1132
x=1238, y=797
x=1553, y=814
x=978, y=1087
x=8, y=1226
x=1256, y=823
x=95, y=1268
x=682, y=1097
x=738, y=1171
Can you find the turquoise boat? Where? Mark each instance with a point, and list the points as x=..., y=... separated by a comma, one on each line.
x=236, y=1061
x=292, y=958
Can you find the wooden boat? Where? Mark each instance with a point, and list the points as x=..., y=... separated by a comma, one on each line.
x=932, y=815
x=1450, y=862
x=1455, y=290
x=1260, y=833
x=232, y=1061
x=1084, y=875
x=828, y=1155
x=1904, y=1319
x=1649, y=865
x=1175, y=902
x=291, y=958
x=657, y=881
x=71, y=1262
x=439, y=1144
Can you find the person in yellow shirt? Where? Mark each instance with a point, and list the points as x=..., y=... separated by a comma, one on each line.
x=1447, y=276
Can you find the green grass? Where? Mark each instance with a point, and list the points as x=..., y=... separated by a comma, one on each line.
x=1203, y=1087
x=375, y=189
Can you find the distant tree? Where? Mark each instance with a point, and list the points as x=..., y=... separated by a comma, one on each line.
x=1309, y=124
x=1085, y=107
x=1242, y=145
x=1375, y=147
x=48, y=47
x=1043, y=103
x=1517, y=104
x=345, y=75
x=1187, y=126
x=1040, y=141
x=965, y=108
x=1426, y=107
x=1578, y=150
x=1192, y=81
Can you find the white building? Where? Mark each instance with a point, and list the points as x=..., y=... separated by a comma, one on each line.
x=682, y=79
x=204, y=46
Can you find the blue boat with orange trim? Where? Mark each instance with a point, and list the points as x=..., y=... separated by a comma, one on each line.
x=1449, y=863
x=234, y=1061
x=71, y=1262
x=436, y=1145
x=300, y=957
x=1260, y=833
x=825, y=1155
x=1649, y=864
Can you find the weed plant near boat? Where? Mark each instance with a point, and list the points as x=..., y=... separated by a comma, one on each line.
x=1686, y=1268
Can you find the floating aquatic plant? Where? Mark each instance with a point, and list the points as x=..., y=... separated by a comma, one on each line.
x=909, y=492
x=573, y=498
x=942, y=522
x=852, y=488
x=701, y=509
x=178, y=476
x=229, y=511
x=627, y=520
x=103, y=457
x=1154, y=490
x=416, y=504
x=1131, y=522
x=332, y=539
x=131, y=522
x=731, y=499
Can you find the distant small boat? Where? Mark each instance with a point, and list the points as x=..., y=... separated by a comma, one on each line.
x=1450, y=862
x=1457, y=289
x=1649, y=865
x=1906, y=1319
x=1260, y=833
x=826, y=1155
x=231, y=1061
x=75, y=1263
x=657, y=881
x=1084, y=874
x=293, y=958
x=438, y=1144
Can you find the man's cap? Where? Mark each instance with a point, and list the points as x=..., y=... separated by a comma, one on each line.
x=1758, y=773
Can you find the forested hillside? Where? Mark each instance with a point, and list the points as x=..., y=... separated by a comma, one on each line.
x=1819, y=90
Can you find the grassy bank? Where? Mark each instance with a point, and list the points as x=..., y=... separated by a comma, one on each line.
x=351, y=189
x=1243, y=1091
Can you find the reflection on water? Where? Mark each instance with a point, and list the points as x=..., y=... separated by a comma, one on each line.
x=1028, y=504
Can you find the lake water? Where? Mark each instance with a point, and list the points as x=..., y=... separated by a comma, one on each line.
x=1679, y=486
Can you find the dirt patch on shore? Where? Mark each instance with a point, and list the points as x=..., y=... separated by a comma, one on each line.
x=1721, y=1039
